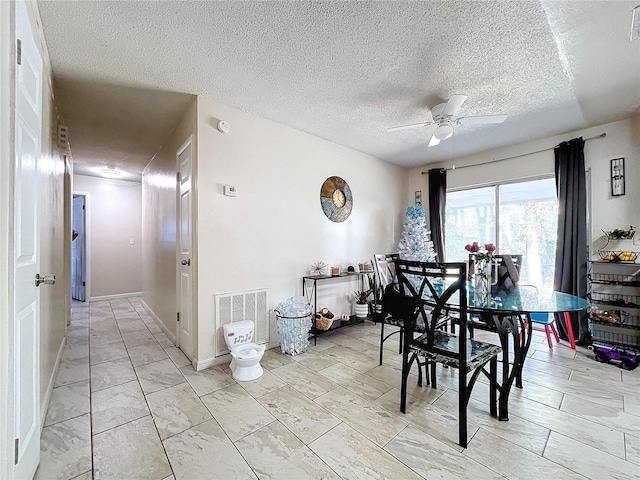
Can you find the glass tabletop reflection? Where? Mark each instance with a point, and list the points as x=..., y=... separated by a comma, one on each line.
x=519, y=299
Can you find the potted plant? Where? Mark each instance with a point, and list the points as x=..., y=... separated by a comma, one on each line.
x=376, y=303
x=362, y=307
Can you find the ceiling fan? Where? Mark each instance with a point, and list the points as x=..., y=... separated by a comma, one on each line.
x=443, y=116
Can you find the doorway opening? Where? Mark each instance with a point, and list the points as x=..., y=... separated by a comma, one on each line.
x=79, y=249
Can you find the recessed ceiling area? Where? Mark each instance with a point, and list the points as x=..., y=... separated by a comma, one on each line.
x=126, y=71
x=117, y=126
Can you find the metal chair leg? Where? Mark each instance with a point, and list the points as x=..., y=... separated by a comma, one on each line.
x=381, y=339
x=405, y=373
x=493, y=388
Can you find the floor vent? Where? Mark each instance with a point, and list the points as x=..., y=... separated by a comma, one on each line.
x=238, y=306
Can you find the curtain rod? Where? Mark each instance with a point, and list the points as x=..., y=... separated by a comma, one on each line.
x=602, y=135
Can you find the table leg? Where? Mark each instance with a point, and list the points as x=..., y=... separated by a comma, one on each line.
x=493, y=398
x=569, y=328
x=505, y=386
x=511, y=326
x=525, y=342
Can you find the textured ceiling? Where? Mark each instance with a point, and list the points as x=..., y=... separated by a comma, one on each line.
x=341, y=71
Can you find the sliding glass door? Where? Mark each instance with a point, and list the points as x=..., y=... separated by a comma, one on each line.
x=519, y=218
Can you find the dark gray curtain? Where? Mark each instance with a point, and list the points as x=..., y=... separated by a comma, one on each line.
x=571, y=245
x=437, y=202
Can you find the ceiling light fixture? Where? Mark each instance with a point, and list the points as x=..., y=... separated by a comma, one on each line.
x=444, y=131
x=109, y=171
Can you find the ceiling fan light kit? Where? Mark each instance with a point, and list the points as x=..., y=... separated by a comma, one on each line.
x=110, y=171
x=444, y=131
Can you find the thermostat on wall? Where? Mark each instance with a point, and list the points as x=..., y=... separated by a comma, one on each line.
x=230, y=191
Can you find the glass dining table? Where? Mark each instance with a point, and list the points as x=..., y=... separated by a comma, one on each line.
x=504, y=311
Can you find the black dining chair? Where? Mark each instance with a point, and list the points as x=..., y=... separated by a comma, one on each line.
x=429, y=289
x=506, y=271
x=392, y=301
x=386, y=278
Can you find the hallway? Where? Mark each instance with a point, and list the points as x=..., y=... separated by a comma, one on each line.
x=127, y=405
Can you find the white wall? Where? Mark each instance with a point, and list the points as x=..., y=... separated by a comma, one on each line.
x=159, y=202
x=115, y=216
x=622, y=140
x=271, y=233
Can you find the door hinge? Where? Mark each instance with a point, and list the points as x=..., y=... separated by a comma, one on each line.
x=17, y=453
x=84, y=284
x=83, y=207
x=19, y=51
x=178, y=316
x=178, y=177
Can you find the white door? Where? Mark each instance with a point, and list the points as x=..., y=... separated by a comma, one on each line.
x=185, y=237
x=77, y=250
x=28, y=126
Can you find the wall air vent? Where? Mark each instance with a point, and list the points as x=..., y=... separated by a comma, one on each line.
x=238, y=306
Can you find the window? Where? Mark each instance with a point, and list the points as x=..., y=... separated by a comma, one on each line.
x=517, y=217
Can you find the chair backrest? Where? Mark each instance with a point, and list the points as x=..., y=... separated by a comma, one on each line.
x=508, y=269
x=385, y=270
x=429, y=289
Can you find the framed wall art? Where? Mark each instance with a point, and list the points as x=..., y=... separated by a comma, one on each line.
x=617, y=177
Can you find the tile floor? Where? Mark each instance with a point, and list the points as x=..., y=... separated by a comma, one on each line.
x=127, y=405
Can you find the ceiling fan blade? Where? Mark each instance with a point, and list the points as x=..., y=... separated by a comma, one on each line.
x=413, y=125
x=453, y=105
x=434, y=141
x=481, y=119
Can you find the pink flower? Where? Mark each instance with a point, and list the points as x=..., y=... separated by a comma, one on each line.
x=473, y=248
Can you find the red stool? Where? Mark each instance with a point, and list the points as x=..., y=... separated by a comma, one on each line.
x=548, y=320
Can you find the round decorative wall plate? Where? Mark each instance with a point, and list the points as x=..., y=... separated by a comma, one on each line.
x=336, y=199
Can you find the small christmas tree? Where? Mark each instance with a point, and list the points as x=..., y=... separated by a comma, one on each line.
x=415, y=243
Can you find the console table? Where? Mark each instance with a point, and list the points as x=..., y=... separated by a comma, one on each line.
x=310, y=288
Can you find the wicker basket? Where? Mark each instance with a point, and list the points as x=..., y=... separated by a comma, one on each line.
x=323, y=323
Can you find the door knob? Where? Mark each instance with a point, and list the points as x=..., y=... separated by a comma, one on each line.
x=186, y=262
x=47, y=279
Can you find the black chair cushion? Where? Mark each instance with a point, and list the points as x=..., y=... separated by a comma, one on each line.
x=446, y=348
x=393, y=302
x=395, y=308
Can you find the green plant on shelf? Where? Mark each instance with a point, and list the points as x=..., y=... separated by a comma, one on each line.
x=619, y=234
x=362, y=295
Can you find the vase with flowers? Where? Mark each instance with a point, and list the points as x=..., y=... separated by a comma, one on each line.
x=482, y=263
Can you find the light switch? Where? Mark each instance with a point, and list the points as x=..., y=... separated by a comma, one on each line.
x=132, y=241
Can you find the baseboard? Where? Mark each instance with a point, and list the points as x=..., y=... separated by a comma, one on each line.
x=118, y=295
x=162, y=326
x=212, y=362
x=47, y=396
